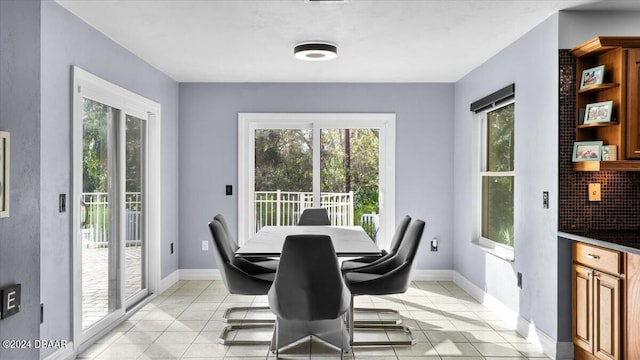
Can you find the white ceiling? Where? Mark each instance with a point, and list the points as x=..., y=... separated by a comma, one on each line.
x=378, y=40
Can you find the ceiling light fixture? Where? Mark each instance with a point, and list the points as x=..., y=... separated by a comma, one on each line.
x=315, y=51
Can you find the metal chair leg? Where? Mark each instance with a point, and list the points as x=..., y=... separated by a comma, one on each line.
x=378, y=327
x=231, y=310
x=222, y=339
x=396, y=321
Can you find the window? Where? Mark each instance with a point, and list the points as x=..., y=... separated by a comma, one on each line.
x=496, y=179
x=341, y=162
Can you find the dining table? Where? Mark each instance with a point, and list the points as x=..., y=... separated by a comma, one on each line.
x=348, y=241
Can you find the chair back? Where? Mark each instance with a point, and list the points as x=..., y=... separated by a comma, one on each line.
x=314, y=216
x=409, y=247
x=401, y=229
x=308, y=285
x=225, y=226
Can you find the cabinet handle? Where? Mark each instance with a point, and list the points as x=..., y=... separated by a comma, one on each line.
x=594, y=257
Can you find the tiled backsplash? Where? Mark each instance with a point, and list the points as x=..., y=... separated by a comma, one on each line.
x=620, y=191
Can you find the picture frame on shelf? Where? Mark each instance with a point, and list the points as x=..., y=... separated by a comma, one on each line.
x=4, y=174
x=587, y=151
x=592, y=76
x=599, y=112
x=609, y=153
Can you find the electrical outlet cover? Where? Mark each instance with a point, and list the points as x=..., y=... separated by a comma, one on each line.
x=594, y=192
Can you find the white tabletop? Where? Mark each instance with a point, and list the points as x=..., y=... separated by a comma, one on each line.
x=347, y=240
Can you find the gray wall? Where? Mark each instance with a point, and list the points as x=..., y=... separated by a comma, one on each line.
x=20, y=115
x=532, y=64
x=209, y=146
x=66, y=41
x=577, y=27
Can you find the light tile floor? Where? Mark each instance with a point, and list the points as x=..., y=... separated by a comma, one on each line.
x=184, y=322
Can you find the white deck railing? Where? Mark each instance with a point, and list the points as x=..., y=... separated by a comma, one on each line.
x=96, y=219
x=283, y=208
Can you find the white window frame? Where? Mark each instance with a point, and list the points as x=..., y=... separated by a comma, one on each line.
x=479, y=151
x=87, y=85
x=249, y=122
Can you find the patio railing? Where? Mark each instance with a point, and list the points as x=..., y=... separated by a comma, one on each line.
x=283, y=208
x=96, y=219
x=271, y=208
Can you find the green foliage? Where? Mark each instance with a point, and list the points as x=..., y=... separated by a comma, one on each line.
x=284, y=162
x=497, y=191
x=95, y=146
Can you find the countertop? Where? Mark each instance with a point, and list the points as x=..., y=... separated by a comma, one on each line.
x=621, y=240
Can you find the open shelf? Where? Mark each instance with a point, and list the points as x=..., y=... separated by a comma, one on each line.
x=597, y=124
x=626, y=165
x=598, y=87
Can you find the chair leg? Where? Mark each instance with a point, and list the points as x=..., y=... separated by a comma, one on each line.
x=396, y=321
x=222, y=339
x=231, y=310
x=351, y=321
x=377, y=326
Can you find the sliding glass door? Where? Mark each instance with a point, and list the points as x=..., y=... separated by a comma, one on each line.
x=341, y=162
x=100, y=248
x=111, y=256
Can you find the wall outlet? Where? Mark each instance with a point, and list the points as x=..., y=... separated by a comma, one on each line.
x=594, y=192
x=205, y=245
x=520, y=280
x=434, y=244
x=545, y=199
x=172, y=248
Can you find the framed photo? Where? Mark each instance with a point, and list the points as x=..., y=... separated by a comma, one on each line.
x=592, y=76
x=587, y=151
x=4, y=174
x=598, y=112
x=609, y=153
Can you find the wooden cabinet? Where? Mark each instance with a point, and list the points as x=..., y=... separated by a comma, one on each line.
x=606, y=303
x=631, y=306
x=633, y=103
x=621, y=59
x=596, y=301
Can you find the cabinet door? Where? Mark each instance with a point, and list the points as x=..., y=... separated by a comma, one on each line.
x=633, y=106
x=606, y=316
x=582, y=321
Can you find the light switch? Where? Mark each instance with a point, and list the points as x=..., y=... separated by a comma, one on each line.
x=594, y=192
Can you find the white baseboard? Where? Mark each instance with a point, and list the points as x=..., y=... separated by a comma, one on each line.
x=200, y=274
x=432, y=275
x=214, y=274
x=168, y=280
x=546, y=344
x=64, y=353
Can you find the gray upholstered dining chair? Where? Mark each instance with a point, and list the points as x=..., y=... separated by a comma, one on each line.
x=240, y=279
x=268, y=263
x=251, y=265
x=388, y=277
x=395, y=244
x=314, y=216
x=308, y=296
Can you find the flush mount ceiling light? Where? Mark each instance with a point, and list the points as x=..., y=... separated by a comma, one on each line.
x=315, y=51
